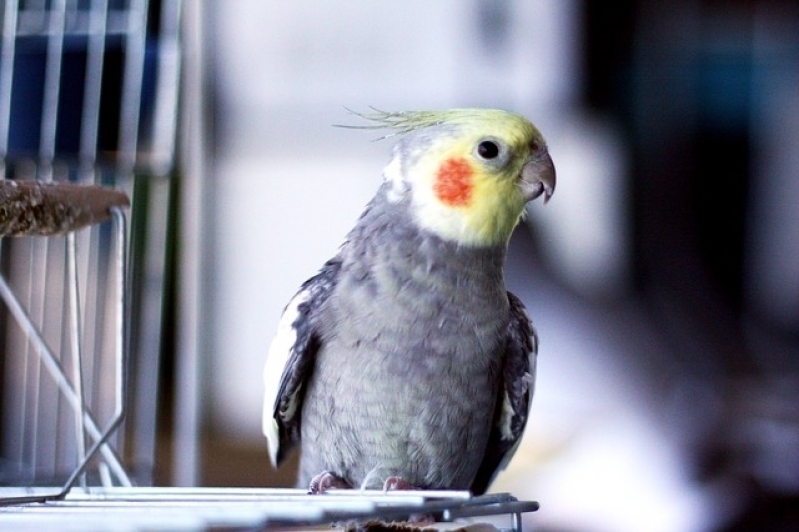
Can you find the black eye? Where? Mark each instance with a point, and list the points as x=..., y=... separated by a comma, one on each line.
x=488, y=149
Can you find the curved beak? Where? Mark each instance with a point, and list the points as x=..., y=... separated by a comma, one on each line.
x=538, y=177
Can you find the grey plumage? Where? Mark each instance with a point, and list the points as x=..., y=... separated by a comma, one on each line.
x=406, y=352
x=405, y=360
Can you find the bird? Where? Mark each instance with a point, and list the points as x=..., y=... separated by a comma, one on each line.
x=405, y=361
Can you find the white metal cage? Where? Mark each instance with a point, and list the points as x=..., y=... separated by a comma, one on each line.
x=88, y=96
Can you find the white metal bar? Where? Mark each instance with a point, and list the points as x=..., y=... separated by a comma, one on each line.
x=95, y=55
x=53, y=61
x=192, y=216
x=121, y=330
x=165, y=113
x=77, y=354
x=9, y=39
x=38, y=282
x=254, y=508
x=52, y=85
x=131, y=87
x=79, y=24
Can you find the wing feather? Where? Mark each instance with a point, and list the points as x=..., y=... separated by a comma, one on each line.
x=291, y=361
x=515, y=396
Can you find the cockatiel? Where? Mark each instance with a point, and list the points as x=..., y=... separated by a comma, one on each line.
x=405, y=361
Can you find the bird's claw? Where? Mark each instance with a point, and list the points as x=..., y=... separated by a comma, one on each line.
x=395, y=483
x=325, y=481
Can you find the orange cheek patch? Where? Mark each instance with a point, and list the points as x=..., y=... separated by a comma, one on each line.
x=453, y=184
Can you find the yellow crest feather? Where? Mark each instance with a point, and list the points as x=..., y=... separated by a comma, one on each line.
x=404, y=122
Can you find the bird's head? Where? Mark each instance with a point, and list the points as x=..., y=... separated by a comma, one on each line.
x=469, y=172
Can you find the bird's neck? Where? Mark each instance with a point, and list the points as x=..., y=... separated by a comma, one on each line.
x=387, y=234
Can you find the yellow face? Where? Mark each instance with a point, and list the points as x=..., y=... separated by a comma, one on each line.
x=467, y=174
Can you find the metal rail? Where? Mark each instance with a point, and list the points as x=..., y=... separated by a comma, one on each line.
x=254, y=509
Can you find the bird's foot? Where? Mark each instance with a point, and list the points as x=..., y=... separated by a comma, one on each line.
x=394, y=483
x=325, y=481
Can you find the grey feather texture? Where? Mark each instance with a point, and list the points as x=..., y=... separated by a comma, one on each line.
x=405, y=361
x=407, y=358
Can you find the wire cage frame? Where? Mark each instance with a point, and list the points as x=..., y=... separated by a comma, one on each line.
x=88, y=105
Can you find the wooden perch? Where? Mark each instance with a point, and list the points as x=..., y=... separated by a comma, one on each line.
x=36, y=208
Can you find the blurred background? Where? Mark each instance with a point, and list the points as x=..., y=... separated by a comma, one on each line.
x=663, y=277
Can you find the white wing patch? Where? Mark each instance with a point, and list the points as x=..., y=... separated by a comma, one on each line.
x=506, y=418
x=507, y=410
x=279, y=352
x=529, y=378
